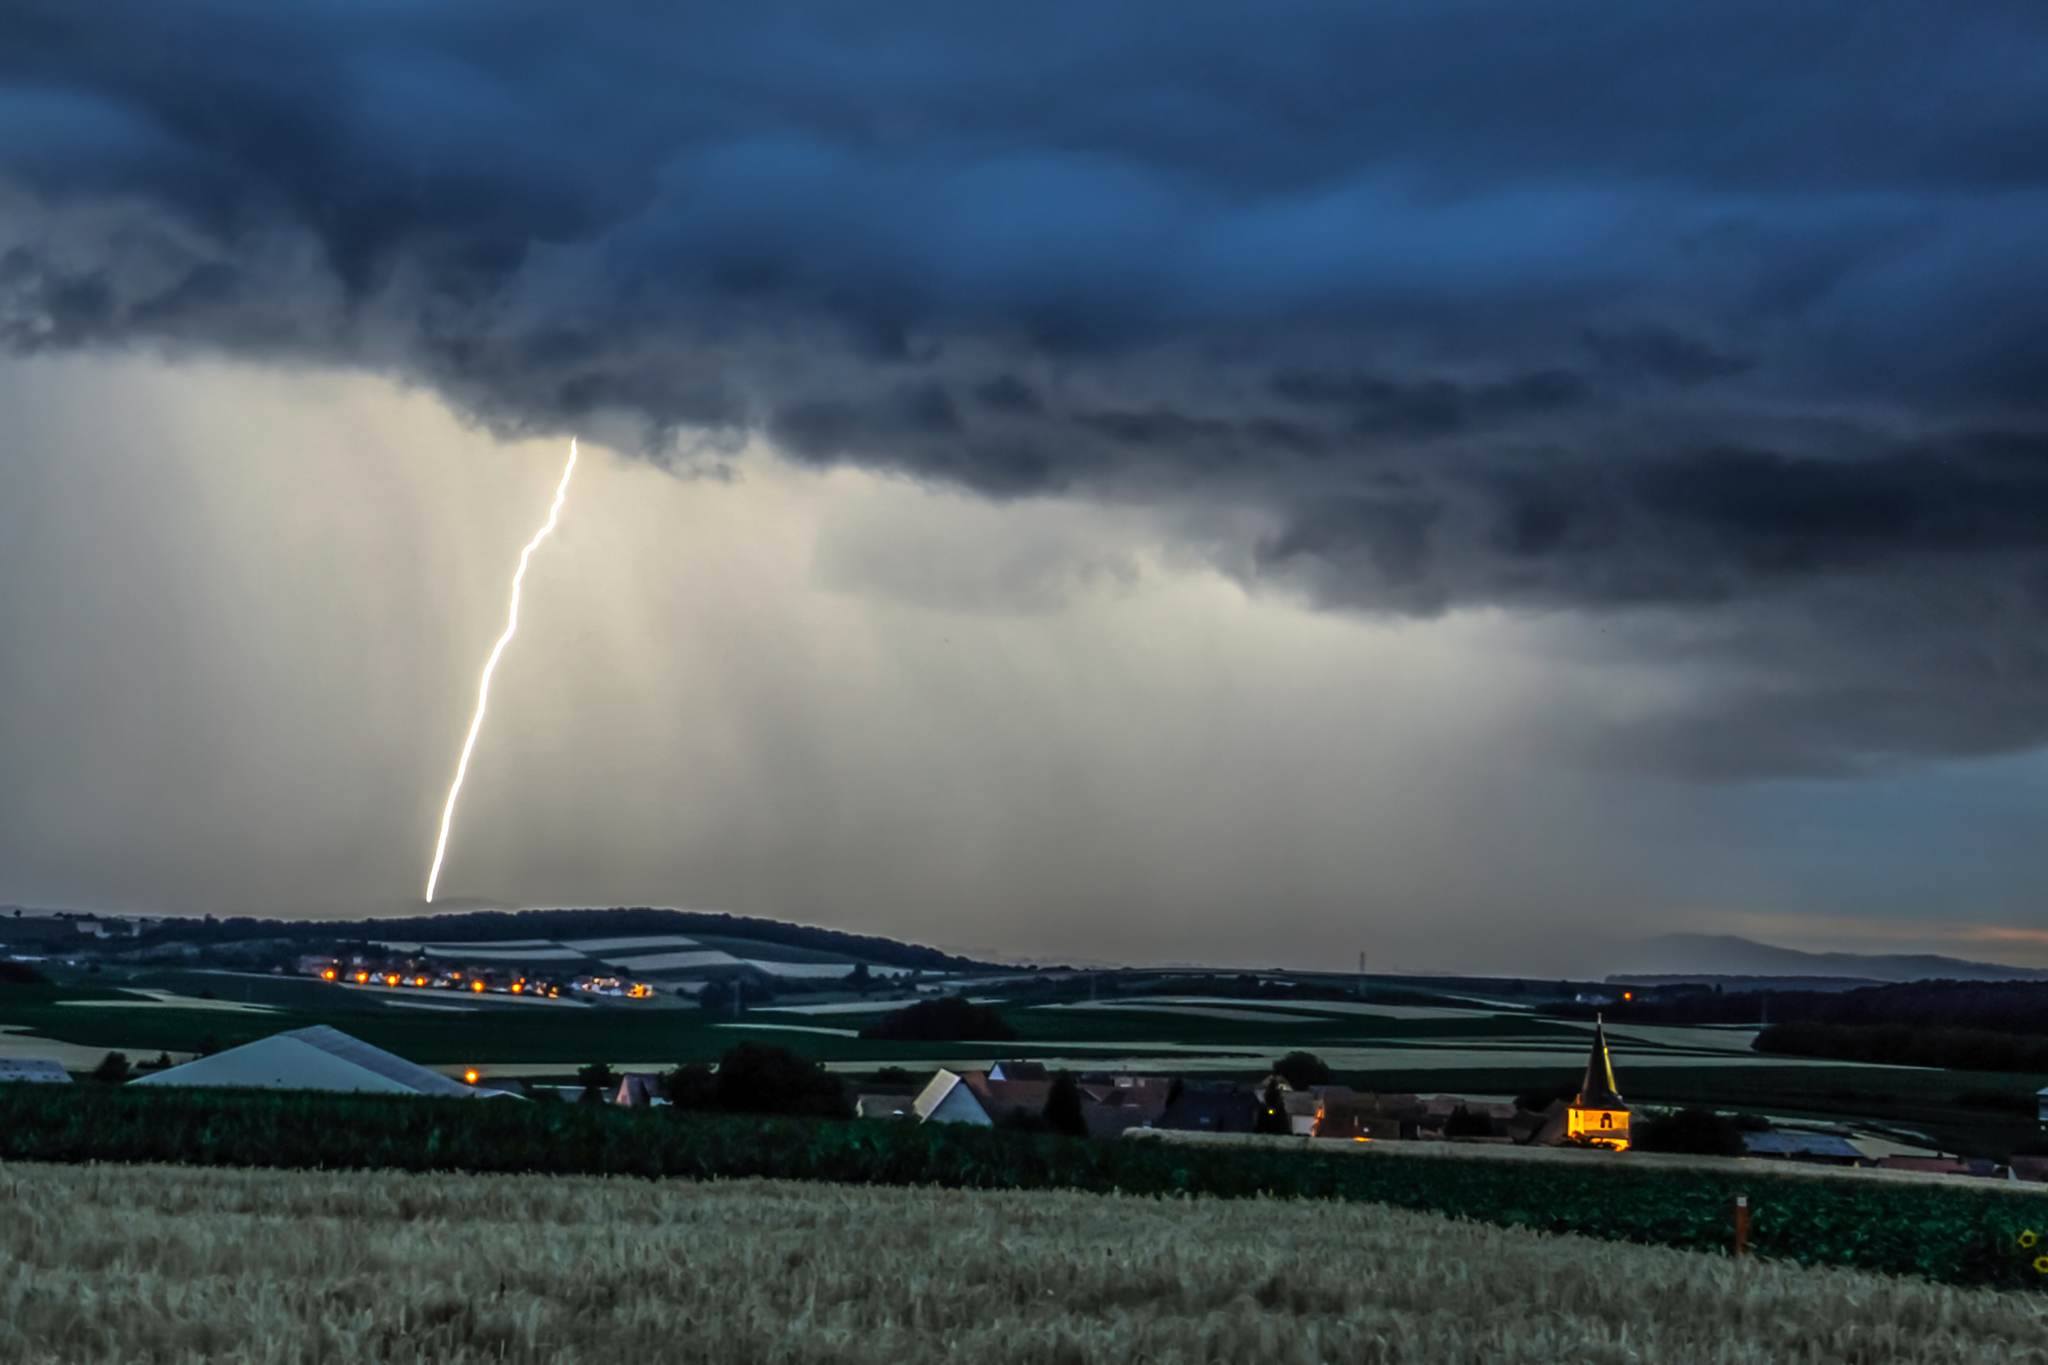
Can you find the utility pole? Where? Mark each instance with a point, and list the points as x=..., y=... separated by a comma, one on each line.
x=1361, y=974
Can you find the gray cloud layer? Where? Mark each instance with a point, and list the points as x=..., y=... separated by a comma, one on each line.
x=1717, y=321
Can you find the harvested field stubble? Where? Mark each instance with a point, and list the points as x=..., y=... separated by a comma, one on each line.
x=176, y=1264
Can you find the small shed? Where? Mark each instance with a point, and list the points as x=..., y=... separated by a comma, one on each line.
x=884, y=1105
x=33, y=1070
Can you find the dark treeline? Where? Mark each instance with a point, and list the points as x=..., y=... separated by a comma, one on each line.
x=948, y=1020
x=2019, y=1007
x=1960, y=1049
x=480, y=925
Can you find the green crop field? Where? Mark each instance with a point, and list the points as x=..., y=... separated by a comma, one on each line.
x=1962, y=1233
x=119, y=1264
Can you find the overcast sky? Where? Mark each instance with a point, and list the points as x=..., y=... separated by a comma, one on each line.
x=1459, y=481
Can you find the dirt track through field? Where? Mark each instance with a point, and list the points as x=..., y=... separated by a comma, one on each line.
x=103, y=1264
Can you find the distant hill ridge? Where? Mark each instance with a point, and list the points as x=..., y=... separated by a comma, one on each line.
x=1703, y=957
x=475, y=926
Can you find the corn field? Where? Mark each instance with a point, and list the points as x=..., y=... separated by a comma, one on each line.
x=173, y=1264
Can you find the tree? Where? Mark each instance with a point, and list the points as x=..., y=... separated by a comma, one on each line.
x=113, y=1069
x=717, y=996
x=949, y=1020
x=598, y=1080
x=1464, y=1123
x=693, y=1085
x=858, y=979
x=757, y=1078
x=1541, y=1097
x=1701, y=1132
x=1063, y=1107
x=1273, y=1111
x=1302, y=1070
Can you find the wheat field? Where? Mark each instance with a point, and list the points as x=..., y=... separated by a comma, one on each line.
x=138, y=1263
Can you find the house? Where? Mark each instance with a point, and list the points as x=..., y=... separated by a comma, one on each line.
x=884, y=1105
x=947, y=1098
x=638, y=1090
x=1003, y=1099
x=317, y=1058
x=1141, y=1092
x=1211, y=1108
x=33, y=1071
x=1349, y=1115
x=1302, y=1106
x=1597, y=1115
x=2041, y=1106
x=1825, y=1149
x=2030, y=1168
x=1019, y=1071
x=1112, y=1105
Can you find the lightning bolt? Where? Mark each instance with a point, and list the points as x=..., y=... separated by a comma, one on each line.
x=483, y=690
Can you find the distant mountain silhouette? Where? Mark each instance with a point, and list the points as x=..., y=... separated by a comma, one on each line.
x=1679, y=956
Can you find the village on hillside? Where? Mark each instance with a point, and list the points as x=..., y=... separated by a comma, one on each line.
x=1297, y=1100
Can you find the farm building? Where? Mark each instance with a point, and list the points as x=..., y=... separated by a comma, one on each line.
x=884, y=1105
x=34, y=1070
x=1824, y=1149
x=947, y=1098
x=317, y=1058
x=638, y=1090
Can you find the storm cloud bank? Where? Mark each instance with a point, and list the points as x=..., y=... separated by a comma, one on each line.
x=1719, y=323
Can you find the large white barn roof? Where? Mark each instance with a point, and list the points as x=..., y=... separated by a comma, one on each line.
x=317, y=1058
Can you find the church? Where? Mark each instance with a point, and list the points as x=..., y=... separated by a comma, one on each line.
x=1597, y=1114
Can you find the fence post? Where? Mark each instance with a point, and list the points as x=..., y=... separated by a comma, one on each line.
x=1741, y=1225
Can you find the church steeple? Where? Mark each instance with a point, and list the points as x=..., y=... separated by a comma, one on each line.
x=1598, y=1116
x=1597, y=1090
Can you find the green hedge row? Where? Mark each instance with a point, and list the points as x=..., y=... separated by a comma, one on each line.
x=1960, y=1234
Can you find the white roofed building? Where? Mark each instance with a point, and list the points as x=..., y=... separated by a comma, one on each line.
x=34, y=1070
x=947, y=1098
x=317, y=1058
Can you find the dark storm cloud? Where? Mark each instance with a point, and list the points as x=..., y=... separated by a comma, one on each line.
x=1721, y=309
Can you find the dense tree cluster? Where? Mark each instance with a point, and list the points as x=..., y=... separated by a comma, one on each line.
x=1701, y=1132
x=757, y=1078
x=1302, y=1070
x=953, y=1019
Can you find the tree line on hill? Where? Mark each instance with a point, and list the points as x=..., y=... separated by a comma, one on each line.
x=1954, y=1049
x=1958, y=1025
x=618, y=922
x=1997, y=1006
